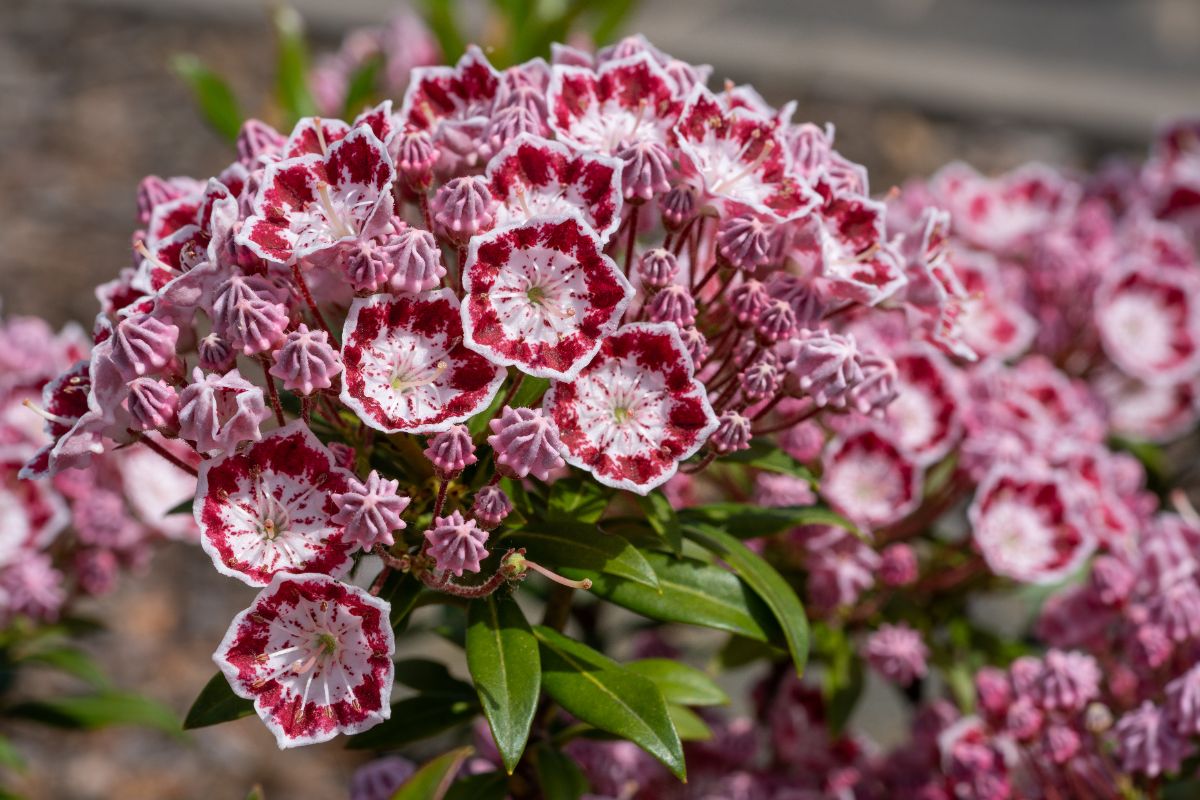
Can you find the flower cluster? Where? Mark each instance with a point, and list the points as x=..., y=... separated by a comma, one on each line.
x=69, y=535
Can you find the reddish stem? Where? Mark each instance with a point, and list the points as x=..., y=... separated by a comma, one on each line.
x=308, y=299
x=169, y=456
x=272, y=392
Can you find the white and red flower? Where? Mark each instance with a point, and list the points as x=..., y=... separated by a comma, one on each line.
x=542, y=296
x=870, y=478
x=635, y=411
x=311, y=203
x=924, y=414
x=625, y=102
x=315, y=656
x=406, y=367
x=1149, y=323
x=1026, y=528
x=31, y=515
x=535, y=177
x=269, y=509
x=464, y=93
x=738, y=160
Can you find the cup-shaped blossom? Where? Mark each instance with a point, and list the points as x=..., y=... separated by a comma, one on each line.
x=898, y=653
x=924, y=411
x=442, y=98
x=1026, y=526
x=406, y=368
x=270, y=509
x=315, y=656
x=153, y=404
x=1149, y=322
x=143, y=345
x=219, y=412
x=451, y=450
x=456, y=544
x=370, y=510
x=306, y=361
x=870, y=479
x=526, y=442
x=491, y=506
x=635, y=411
x=535, y=177
x=542, y=296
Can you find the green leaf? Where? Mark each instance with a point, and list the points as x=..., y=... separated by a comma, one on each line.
x=255, y=793
x=600, y=692
x=559, y=777
x=577, y=501
x=663, y=519
x=763, y=578
x=72, y=661
x=679, y=683
x=216, y=704
x=10, y=757
x=583, y=551
x=291, y=67
x=693, y=593
x=485, y=786
x=441, y=18
x=529, y=392
x=431, y=678
x=843, y=681
x=416, y=718
x=217, y=102
x=361, y=88
x=98, y=710
x=502, y=655
x=688, y=724
x=740, y=651
x=766, y=455
x=615, y=12
x=184, y=507
x=432, y=781
x=745, y=521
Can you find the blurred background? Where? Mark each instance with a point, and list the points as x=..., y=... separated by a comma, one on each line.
x=90, y=106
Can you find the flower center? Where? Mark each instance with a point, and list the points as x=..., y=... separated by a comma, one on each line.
x=407, y=376
x=536, y=295
x=621, y=415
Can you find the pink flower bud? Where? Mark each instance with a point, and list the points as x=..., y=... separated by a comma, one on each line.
x=644, y=170
x=678, y=206
x=153, y=404
x=744, y=241
x=215, y=354
x=673, y=304
x=823, y=364
x=248, y=311
x=994, y=691
x=416, y=260
x=877, y=388
x=370, y=511
x=759, y=381
x=257, y=141
x=464, y=207
x=143, y=345
x=456, y=544
x=1112, y=580
x=219, y=412
x=732, y=433
x=525, y=441
x=365, y=265
x=451, y=450
x=491, y=506
x=748, y=299
x=507, y=124
x=306, y=362
x=658, y=267
x=414, y=154
x=899, y=565
x=776, y=322
x=897, y=653
x=695, y=344
x=1023, y=719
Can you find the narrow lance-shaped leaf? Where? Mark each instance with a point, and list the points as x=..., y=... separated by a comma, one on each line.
x=766, y=582
x=744, y=521
x=663, y=520
x=433, y=780
x=292, y=64
x=679, y=683
x=98, y=710
x=582, y=551
x=217, y=102
x=216, y=704
x=502, y=655
x=600, y=692
x=416, y=718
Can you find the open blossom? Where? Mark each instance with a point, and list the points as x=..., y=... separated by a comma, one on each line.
x=635, y=411
x=406, y=368
x=870, y=479
x=270, y=508
x=370, y=510
x=219, y=412
x=315, y=656
x=542, y=296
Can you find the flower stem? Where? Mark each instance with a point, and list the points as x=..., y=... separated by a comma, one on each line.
x=272, y=392
x=308, y=299
x=169, y=456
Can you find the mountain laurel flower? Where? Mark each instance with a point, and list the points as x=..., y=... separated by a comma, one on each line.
x=525, y=441
x=899, y=565
x=822, y=365
x=673, y=304
x=456, y=544
x=247, y=311
x=306, y=362
x=491, y=506
x=414, y=153
x=451, y=450
x=897, y=653
x=1068, y=681
x=464, y=207
x=775, y=322
x=678, y=206
x=1147, y=744
x=153, y=404
x=370, y=510
x=215, y=354
x=416, y=260
x=219, y=412
x=744, y=242
x=645, y=171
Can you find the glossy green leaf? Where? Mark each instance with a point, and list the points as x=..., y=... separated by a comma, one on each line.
x=766, y=582
x=693, y=593
x=502, y=655
x=485, y=786
x=582, y=551
x=416, y=718
x=183, y=507
x=663, y=519
x=559, y=777
x=430, y=677
x=688, y=724
x=575, y=501
x=97, y=710
x=744, y=521
x=291, y=67
x=433, y=780
x=679, y=683
x=599, y=691
x=216, y=704
x=764, y=454
x=216, y=100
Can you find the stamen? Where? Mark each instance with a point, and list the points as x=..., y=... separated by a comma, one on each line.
x=338, y=225
x=46, y=415
x=749, y=169
x=321, y=135
x=145, y=253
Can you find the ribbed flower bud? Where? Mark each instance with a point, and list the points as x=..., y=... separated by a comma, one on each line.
x=678, y=206
x=673, y=304
x=491, y=506
x=249, y=312
x=306, y=361
x=732, y=433
x=464, y=207
x=414, y=154
x=744, y=241
x=153, y=405
x=451, y=450
x=456, y=544
x=525, y=441
x=143, y=345
x=645, y=169
x=416, y=260
x=658, y=267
